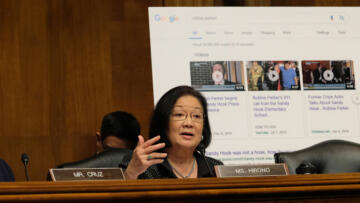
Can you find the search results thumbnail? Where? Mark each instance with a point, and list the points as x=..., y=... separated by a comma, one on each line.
x=272, y=75
x=328, y=75
x=217, y=75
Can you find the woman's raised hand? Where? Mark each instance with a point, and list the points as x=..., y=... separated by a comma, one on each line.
x=144, y=156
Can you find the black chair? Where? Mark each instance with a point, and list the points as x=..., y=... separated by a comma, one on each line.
x=6, y=174
x=332, y=156
x=108, y=158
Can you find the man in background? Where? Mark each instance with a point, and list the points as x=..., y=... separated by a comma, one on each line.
x=118, y=130
x=117, y=137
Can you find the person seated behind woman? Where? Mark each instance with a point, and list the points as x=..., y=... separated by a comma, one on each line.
x=119, y=130
x=179, y=131
x=117, y=138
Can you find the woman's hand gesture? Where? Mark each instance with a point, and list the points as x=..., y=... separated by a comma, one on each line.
x=144, y=156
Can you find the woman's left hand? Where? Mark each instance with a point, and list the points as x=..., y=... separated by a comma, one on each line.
x=144, y=156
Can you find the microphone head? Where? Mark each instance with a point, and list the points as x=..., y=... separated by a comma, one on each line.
x=201, y=148
x=25, y=158
x=306, y=168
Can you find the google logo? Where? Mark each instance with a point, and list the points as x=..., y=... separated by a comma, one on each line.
x=170, y=19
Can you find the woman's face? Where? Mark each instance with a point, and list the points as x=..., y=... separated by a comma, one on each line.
x=186, y=123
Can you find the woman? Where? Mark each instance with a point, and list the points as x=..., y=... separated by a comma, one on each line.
x=181, y=129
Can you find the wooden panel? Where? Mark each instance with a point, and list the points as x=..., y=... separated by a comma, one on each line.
x=301, y=188
x=24, y=81
x=130, y=59
x=80, y=77
x=63, y=65
x=55, y=81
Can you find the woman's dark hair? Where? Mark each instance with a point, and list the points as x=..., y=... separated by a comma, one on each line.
x=122, y=125
x=159, y=124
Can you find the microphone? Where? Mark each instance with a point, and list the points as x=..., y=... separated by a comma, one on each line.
x=25, y=159
x=306, y=168
x=201, y=148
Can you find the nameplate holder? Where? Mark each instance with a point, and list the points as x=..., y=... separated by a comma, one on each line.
x=251, y=170
x=79, y=174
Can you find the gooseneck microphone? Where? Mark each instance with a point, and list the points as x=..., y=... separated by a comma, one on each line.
x=306, y=168
x=201, y=148
x=25, y=159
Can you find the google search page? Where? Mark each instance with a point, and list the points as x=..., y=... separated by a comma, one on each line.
x=275, y=79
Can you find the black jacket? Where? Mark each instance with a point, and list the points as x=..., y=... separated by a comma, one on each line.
x=164, y=170
x=6, y=174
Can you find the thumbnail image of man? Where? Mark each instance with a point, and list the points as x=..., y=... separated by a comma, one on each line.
x=338, y=71
x=273, y=77
x=318, y=75
x=308, y=77
x=255, y=76
x=347, y=72
x=277, y=69
x=333, y=75
x=289, y=76
x=218, y=73
x=293, y=65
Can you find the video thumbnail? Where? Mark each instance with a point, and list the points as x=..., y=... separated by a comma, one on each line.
x=272, y=75
x=217, y=75
x=328, y=75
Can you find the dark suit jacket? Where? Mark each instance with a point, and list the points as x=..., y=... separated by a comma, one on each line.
x=164, y=169
x=5, y=172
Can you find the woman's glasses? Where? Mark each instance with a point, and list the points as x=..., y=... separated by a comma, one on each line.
x=179, y=115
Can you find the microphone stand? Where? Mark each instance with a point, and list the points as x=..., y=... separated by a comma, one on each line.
x=25, y=160
x=202, y=152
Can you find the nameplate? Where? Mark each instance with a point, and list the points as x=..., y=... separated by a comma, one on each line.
x=251, y=170
x=77, y=174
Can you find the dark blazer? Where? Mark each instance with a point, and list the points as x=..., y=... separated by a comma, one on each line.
x=108, y=158
x=6, y=175
x=164, y=170
x=317, y=74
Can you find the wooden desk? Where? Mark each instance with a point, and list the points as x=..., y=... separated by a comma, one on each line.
x=300, y=188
